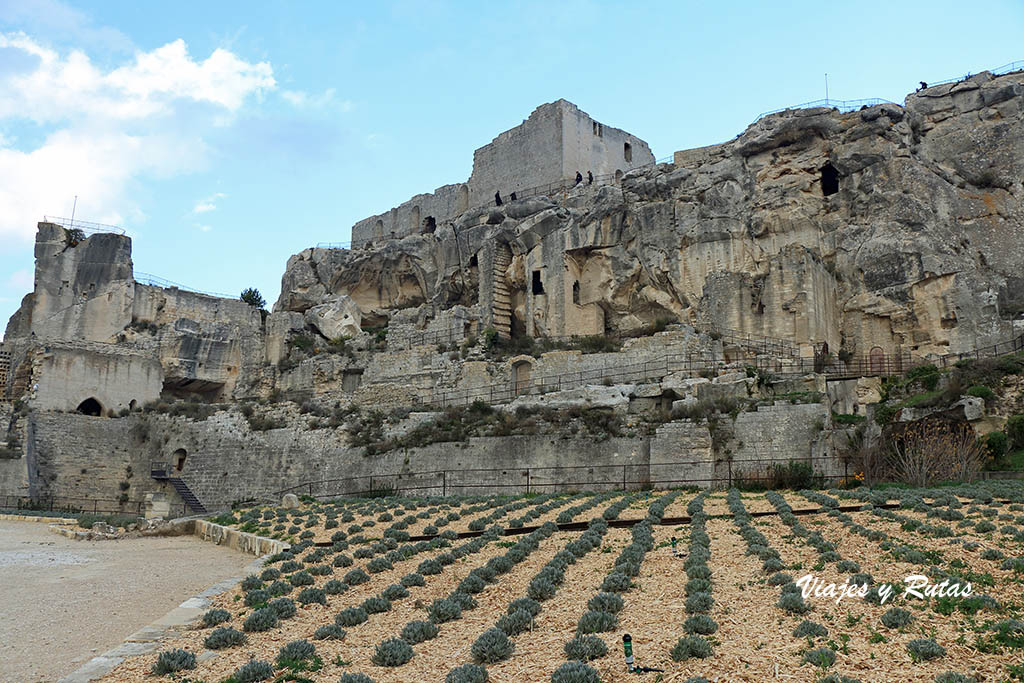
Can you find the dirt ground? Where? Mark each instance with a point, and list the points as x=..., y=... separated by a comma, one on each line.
x=64, y=601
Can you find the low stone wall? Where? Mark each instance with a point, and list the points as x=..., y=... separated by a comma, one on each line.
x=250, y=544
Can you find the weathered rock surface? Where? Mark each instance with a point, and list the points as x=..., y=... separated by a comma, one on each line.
x=919, y=250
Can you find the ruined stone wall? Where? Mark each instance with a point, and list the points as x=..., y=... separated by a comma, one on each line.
x=410, y=218
x=82, y=291
x=589, y=145
x=69, y=373
x=77, y=456
x=777, y=433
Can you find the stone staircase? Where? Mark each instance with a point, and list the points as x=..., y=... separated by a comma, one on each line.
x=501, y=305
x=160, y=472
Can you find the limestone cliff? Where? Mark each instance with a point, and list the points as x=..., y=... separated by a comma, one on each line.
x=894, y=228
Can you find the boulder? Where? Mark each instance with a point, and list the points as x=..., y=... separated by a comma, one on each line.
x=290, y=501
x=337, y=318
x=973, y=407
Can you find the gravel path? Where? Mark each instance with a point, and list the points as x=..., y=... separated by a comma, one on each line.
x=67, y=601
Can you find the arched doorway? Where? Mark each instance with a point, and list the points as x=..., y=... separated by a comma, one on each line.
x=521, y=376
x=90, y=406
x=178, y=459
x=876, y=360
x=462, y=199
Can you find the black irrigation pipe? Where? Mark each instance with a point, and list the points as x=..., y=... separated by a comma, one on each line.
x=665, y=521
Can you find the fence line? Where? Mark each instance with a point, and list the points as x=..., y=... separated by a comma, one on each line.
x=554, y=478
x=998, y=71
x=75, y=504
x=155, y=281
x=85, y=226
x=845, y=106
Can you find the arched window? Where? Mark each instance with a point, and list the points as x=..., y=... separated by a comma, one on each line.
x=521, y=376
x=576, y=292
x=414, y=219
x=627, y=152
x=178, y=458
x=90, y=406
x=462, y=200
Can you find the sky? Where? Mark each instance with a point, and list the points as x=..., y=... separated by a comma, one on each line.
x=226, y=136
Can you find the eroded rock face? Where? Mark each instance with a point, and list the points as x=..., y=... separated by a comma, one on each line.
x=892, y=229
x=336, y=319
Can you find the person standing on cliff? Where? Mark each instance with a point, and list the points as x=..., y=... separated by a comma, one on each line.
x=590, y=178
x=579, y=177
x=497, y=197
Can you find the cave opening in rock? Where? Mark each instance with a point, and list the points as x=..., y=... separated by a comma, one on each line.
x=829, y=179
x=90, y=406
x=537, y=284
x=429, y=225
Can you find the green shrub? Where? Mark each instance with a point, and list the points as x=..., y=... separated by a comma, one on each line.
x=465, y=601
x=355, y=678
x=896, y=618
x=342, y=561
x=492, y=646
x=541, y=589
x=270, y=574
x=223, y=637
x=691, y=647
x=429, y=567
x=419, y=631
x=216, y=616
x=529, y=605
x=616, y=582
x=356, y=577
x=701, y=624
x=253, y=671
x=173, y=661
x=996, y=445
x=351, y=616
x=260, y=620
x=793, y=602
x=823, y=657
x=251, y=582
x=284, y=607
x=392, y=652
x=585, y=648
x=596, y=622
x=953, y=677
x=575, y=672
x=378, y=565
x=335, y=587
x=982, y=392
x=699, y=603
x=329, y=632
x=279, y=588
x=809, y=629
x=410, y=580
x=444, y=610
x=467, y=673
x=515, y=623
x=925, y=649
x=295, y=652
x=311, y=595
x=606, y=602
x=1015, y=430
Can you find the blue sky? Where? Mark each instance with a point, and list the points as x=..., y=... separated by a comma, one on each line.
x=227, y=136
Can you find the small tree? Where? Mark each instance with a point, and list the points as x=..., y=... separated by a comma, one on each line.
x=253, y=297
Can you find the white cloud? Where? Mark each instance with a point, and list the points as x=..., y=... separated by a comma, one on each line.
x=205, y=228
x=208, y=204
x=107, y=129
x=325, y=100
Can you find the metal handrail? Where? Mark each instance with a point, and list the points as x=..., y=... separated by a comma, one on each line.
x=999, y=71
x=155, y=281
x=84, y=226
x=844, y=106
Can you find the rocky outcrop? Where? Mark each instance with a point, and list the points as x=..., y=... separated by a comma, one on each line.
x=890, y=229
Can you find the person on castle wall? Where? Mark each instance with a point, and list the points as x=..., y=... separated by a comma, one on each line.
x=497, y=198
x=590, y=178
x=579, y=177
x=512, y=196
x=924, y=86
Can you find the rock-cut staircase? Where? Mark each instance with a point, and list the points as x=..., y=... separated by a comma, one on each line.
x=501, y=305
